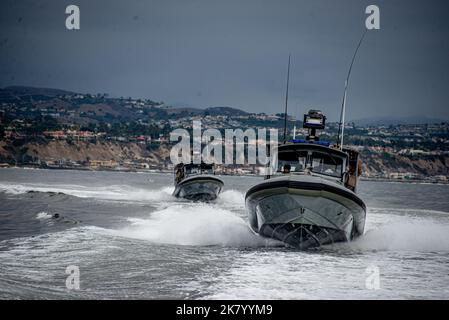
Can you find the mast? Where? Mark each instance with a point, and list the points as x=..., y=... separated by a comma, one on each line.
x=341, y=127
x=286, y=100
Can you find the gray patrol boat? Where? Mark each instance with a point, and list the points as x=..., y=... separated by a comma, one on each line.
x=309, y=199
x=197, y=182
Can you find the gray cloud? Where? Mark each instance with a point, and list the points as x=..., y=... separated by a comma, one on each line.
x=204, y=53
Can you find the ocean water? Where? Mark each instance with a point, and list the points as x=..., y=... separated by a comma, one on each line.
x=131, y=239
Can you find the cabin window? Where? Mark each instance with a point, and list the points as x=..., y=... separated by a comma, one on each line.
x=296, y=160
x=192, y=169
x=318, y=162
x=326, y=164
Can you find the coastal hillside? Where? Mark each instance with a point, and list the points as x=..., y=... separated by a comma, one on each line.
x=111, y=155
x=107, y=155
x=55, y=128
x=401, y=166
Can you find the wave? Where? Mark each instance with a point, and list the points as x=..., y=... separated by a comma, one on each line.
x=43, y=216
x=405, y=211
x=195, y=225
x=417, y=235
x=232, y=200
x=113, y=192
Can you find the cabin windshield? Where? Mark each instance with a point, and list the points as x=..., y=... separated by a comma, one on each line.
x=327, y=164
x=294, y=161
x=199, y=169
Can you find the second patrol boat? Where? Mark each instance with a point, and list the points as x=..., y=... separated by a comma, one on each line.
x=197, y=182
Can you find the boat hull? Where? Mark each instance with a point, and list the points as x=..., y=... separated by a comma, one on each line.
x=199, y=188
x=305, y=211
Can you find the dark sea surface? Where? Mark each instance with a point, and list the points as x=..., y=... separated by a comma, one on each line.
x=131, y=239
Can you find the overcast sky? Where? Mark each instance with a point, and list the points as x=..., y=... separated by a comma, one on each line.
x=203, y=53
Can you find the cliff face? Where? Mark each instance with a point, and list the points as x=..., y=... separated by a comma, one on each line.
x=82, y=151
x=374, y=164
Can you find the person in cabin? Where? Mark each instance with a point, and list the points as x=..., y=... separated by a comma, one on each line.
x=180, y=173
x=286, y=169
x=352, y=177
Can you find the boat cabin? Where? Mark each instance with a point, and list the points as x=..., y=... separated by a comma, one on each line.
x=183, y=171
x=317, y=158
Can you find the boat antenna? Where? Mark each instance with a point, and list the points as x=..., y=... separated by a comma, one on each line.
x=286, y=100
x=294, y=126
x=341, y=127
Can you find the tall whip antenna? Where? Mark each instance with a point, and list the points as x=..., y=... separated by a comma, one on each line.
x=286, y=100
x=341, y=127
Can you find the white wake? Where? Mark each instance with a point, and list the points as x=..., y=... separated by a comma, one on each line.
x=196, y=225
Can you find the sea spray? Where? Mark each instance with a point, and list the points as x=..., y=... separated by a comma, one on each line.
x=43, y=216
x=232, y=200
x=194, y=224
x=414, y=235
x=112, y=192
